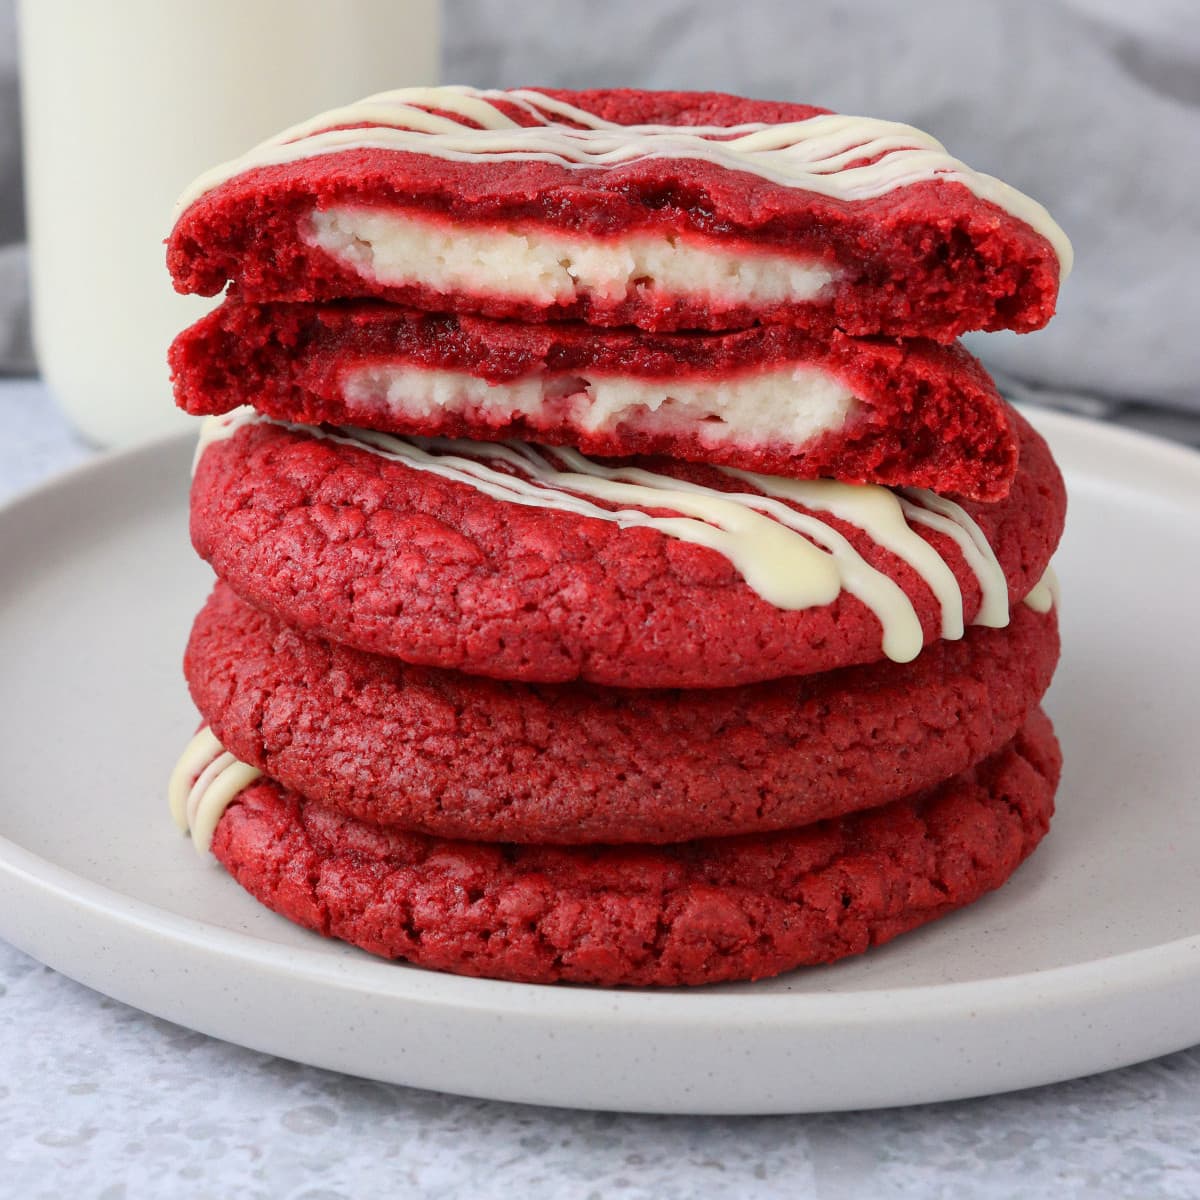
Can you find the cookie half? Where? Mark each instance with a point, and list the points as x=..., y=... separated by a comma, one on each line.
x=769, y=399
x=463, y=757
x=545, y=566
x=699, y=912
x=663, y=210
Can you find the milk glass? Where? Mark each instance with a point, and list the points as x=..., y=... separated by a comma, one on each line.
x=124, y=103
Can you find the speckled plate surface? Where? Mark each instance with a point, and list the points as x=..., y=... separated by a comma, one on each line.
x=1088, y=959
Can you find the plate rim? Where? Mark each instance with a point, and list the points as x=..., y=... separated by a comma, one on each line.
x=1054, y=984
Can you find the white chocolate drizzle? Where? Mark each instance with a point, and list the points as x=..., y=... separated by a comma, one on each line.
x=793, y=560
x=936, y=512
x=205, y=781
x=1046, y=593
x=843, y=157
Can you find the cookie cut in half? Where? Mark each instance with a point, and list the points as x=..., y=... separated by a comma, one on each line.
x=663, y=210
x=464, y=757
x=769, y=399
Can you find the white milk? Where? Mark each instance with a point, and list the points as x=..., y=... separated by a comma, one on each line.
x=124, y=103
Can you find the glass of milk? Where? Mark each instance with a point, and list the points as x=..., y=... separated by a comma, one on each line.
x=123, y=105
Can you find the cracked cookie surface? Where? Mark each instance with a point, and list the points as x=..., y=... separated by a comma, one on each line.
x=366, y=551
x=696, y=912
x=462, y=757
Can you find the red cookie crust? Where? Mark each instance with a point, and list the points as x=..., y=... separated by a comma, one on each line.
x=697, y=912
x=931, y=416
x=461, y=757
x=929, y=260
x=363, y=550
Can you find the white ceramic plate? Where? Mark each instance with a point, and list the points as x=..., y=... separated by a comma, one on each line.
x=1088, y=959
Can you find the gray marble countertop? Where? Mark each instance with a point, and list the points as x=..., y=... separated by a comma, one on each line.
x=100, y=1100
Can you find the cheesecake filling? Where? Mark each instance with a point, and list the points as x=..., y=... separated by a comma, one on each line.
x=790, y=406
x=397, y=248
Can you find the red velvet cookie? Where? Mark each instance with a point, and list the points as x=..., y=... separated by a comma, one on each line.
x=341, y=541
x=671, y=210
x=462, y=757
x=770, y=399
x=697, y=912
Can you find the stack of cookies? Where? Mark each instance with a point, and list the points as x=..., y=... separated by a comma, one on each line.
x=623, y=575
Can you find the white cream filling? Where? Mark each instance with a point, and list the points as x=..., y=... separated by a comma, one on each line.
x=548, y=267
x=792, y=406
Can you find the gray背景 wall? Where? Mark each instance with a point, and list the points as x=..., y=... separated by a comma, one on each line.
x=1092, y=106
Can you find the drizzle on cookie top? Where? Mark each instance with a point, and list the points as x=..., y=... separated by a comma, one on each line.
x=844, y=157
x=793, y=560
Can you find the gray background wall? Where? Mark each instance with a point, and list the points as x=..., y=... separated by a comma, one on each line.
x=1092, y=106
